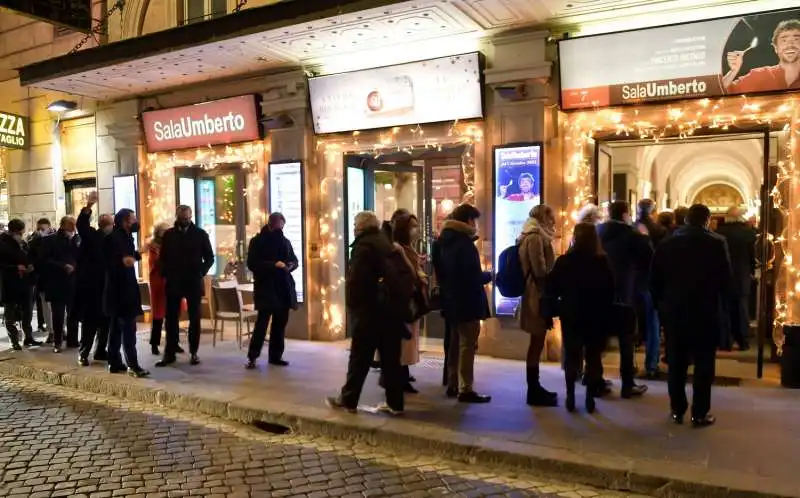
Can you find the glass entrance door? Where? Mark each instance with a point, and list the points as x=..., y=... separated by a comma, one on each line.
x=221, y=210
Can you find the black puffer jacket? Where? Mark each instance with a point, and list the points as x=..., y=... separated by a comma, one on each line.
x=461, y=277
x=121, y=297
x=629, y=253
x=186, y=256
x=16, y=287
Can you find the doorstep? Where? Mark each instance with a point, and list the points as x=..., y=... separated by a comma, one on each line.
x=628, y=445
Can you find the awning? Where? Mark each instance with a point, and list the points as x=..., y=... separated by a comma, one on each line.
x=280, y=36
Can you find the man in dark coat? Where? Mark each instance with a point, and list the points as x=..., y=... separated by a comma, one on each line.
x=16, y=284
x=379, y=286
x=121, y=300
x=629, y=253
x=649, y=326
x=59, y=261
x=462, y=283
x=271, y=258
x=43, y=229
x=741, y=238
x=91, y=282
x=690, y=279
x=186, y=256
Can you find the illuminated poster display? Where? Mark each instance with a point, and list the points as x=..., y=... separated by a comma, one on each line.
x=207, y=213
x=355, y=200
x=286, y=197
x=124, y=192
x=517, y=184
x=186, y=195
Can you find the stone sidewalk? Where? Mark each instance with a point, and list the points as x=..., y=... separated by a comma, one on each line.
x=627, y=445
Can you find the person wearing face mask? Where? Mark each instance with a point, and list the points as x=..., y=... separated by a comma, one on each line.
x=271, y=258
x=629, y=253
x=122, y=302
x=60, y=260
x=16, y=284
x=186, y=256
x=464, y=301
x=90, y=283
x=43, y=317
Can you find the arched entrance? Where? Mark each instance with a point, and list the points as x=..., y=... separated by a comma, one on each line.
x=719, y=197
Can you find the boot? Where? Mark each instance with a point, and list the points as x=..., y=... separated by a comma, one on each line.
x=538, y=395
x=570, y=396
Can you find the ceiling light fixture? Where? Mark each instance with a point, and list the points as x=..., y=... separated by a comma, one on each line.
x=62, y=106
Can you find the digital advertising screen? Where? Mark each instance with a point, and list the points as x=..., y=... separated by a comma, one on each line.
x=517, y=189
x=286, y=197
x=207, y=214
x=736, y=55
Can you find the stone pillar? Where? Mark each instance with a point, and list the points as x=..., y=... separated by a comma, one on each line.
x=119, y=145
x=518, y=98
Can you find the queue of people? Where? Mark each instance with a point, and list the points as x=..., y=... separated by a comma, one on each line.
x=659, y=270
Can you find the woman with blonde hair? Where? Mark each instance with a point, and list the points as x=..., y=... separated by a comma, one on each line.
x=158, y=293
x=537, y=259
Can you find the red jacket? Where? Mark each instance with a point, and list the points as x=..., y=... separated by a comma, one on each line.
x=158, y=292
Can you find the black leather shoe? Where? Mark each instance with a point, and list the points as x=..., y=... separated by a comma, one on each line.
x=677, y=418
x=410, y=389
x=633, y=391
x=251, y=365
x=194, y=360
x=700, y=422
x=474, y=398
x=32, y=343
x=16, y=347
x=451, y=393
x=83, y=362
x=279, y=363
x=591, y=405
x=165, y=362
x=179, y=349
x=154, y=350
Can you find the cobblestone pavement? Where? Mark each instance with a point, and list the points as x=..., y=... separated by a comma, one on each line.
x=60, y=442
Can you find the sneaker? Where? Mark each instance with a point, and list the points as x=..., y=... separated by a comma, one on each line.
x=336, y=403
x=384, y=408
x=251, y=365
x=83, y=362
x=474, y=398
x=633, y=391
x=138, y=373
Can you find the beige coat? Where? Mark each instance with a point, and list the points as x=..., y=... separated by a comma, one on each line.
x=537, y=258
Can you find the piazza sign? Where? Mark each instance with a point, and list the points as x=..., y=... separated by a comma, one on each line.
x=14, y=131
x=218, y=122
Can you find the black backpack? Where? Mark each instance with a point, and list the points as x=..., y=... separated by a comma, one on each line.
x=510, y=279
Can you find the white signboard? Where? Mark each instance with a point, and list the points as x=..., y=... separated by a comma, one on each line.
x=125, y=192
x=286, y=197
x=429, y=91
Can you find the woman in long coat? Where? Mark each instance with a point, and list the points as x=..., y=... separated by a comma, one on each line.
x=537, y=259
x=158, y=293
x=405, y=235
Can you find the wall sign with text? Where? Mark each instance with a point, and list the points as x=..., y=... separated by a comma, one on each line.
x=429, y=91
x=286, y=197
x=14, y=131
x=517, y=189
x=750, y=54
x=219, y=122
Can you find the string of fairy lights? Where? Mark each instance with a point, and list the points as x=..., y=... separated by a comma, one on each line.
x=683, y=120
x=331, y=151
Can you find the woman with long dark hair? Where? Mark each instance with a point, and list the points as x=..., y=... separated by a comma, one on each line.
x=580, y=290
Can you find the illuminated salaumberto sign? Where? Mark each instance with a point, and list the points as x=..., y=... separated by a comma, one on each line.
x=758, y=53
x=217, y=122
x=14, y=131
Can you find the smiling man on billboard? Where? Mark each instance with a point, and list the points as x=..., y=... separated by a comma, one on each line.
x=783, y=76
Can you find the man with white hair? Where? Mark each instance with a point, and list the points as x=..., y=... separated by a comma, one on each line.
x=379, y=289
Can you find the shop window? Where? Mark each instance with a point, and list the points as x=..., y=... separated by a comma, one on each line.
x=76, y=194
x=200, y=10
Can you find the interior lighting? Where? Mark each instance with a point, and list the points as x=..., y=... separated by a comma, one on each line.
x=62, y=106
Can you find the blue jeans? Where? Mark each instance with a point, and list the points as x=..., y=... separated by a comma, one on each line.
x=651, y=334
x=122, y=335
